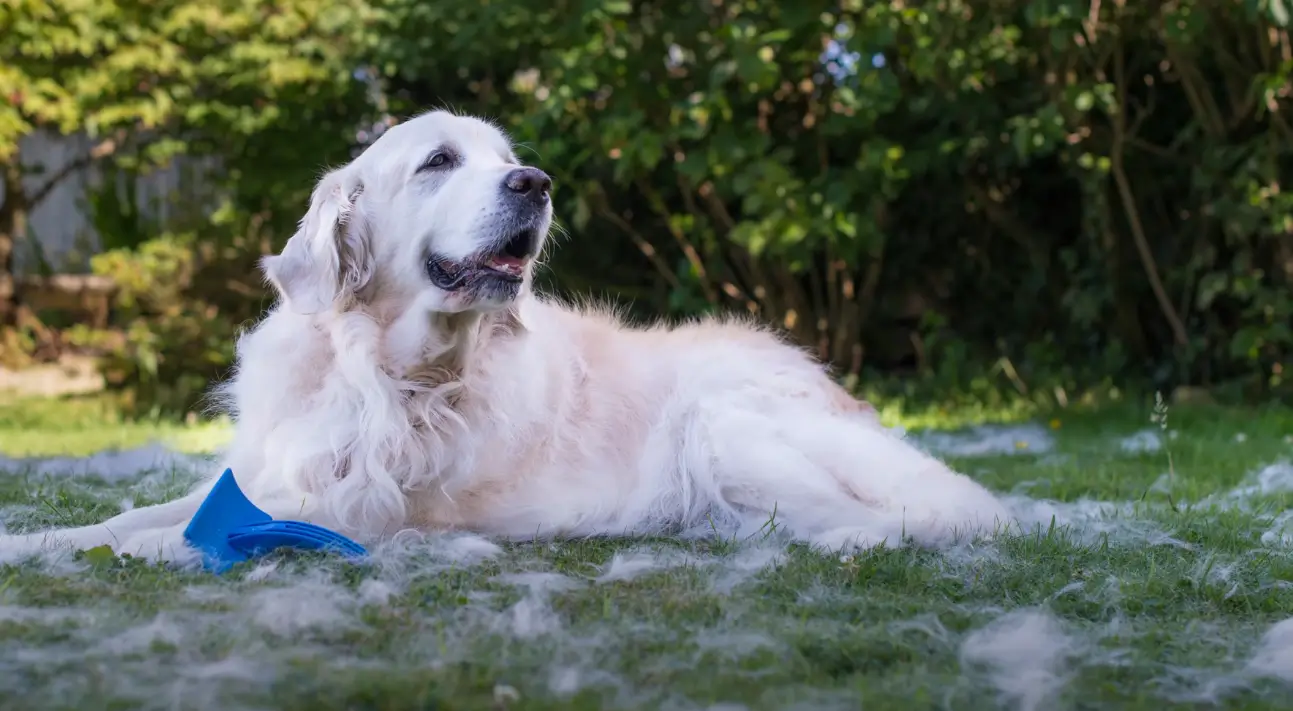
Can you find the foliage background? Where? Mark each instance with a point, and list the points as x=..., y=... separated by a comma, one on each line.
x=1042, y=197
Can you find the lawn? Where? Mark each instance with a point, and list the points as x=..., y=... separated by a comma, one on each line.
x=1141, y=584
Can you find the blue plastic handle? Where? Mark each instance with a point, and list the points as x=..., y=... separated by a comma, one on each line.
x=228, y=529
x=261, y=538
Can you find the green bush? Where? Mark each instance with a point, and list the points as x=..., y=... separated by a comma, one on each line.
x=1086, y=190
x=1041, y=196
x=171, y=340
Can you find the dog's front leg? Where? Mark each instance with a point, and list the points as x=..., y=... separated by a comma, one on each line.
x=154, y=533
x=121, y=532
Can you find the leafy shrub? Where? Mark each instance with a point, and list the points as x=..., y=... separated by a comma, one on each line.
x=180, y=302
x=1085, y=190
x=1035, y=196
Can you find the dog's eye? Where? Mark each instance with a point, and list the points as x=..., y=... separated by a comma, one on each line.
x=439, y=159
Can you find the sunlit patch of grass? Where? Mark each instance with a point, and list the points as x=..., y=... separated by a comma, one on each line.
x=77, y=426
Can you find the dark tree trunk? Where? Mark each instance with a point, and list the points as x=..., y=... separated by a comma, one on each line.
x=13, y=227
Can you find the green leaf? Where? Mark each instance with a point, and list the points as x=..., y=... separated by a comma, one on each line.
x=100, y=556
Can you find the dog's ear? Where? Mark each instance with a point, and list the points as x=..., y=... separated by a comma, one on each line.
x=327, y=261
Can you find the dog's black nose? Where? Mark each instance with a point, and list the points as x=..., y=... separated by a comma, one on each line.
x=530, y=182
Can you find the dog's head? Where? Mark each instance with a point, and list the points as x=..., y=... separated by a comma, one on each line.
x=437, y=212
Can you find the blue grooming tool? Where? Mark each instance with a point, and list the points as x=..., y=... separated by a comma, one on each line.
x=229, y=529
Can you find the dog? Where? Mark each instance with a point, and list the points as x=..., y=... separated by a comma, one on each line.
x=409, y=377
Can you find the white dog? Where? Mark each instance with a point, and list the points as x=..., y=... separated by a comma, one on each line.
x=409, y=379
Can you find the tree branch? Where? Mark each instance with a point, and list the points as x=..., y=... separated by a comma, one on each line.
x=688, y=249
x=1131, y=208
x=643, y=244
x=103, y=150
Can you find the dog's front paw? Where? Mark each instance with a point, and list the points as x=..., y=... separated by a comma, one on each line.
x=23, y=547
x=15, y=549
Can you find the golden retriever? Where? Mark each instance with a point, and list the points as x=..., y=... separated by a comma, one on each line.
x=409, y=378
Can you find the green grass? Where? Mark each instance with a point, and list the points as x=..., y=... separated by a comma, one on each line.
x=1162, y=605
x=83, y=425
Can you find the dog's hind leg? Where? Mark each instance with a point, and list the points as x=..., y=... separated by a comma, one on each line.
x=835, y=480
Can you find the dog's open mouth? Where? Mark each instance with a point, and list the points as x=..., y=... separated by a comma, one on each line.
x=505, y=263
